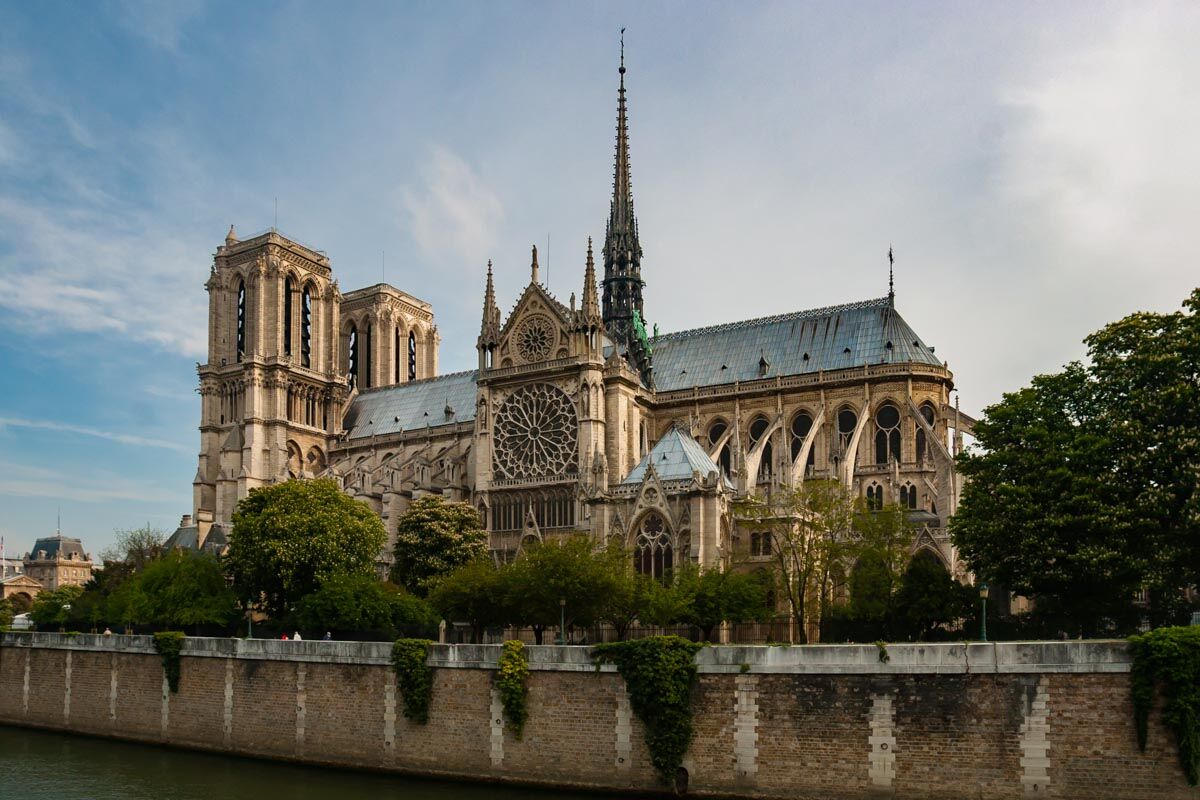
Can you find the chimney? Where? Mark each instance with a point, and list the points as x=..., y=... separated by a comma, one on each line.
x=185, y=521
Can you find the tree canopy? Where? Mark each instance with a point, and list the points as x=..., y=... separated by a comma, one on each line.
x=290, y=538
x=433, y=538
x=1083, y=488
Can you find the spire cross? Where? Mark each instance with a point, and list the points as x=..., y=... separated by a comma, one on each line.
x=891, y=283
x=622, y=51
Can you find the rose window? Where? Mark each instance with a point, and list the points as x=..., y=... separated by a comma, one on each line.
x=535, y=433
x=535, y=338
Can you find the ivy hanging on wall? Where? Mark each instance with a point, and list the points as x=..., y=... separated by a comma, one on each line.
x=414, y=677
x=1170, y=658
x=511, y=677
x=658, y=673
x=169, y=644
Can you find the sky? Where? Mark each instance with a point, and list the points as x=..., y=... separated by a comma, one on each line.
x=1033, y=165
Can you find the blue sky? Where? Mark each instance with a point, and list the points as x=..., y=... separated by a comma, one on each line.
x=1034, y=166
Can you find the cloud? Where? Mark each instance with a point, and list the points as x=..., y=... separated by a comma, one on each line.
x=83, y=430
x=23, y=480
x=159, y=23
x=452, y=209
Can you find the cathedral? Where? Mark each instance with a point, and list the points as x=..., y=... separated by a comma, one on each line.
x=580, y=420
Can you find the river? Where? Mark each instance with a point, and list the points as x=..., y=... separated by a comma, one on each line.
x=40, y=765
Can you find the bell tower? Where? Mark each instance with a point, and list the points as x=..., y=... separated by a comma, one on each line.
x=273, y=388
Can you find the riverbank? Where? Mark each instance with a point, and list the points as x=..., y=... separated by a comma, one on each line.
x=1004, y=720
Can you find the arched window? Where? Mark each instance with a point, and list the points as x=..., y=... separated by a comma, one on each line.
x=368, y=352
x=908, y=496
x=874, y=497
x=922, y=440
x=306, y=328
x=757, y=428
x=847, y=421
x=289, y=289
x=653, y=554
x=715, y=431
x=352, y=360
x=241, y=320
x=412, y=355
x=801, y=425
x=396, y=356
x=760, y=543
x=887, y=434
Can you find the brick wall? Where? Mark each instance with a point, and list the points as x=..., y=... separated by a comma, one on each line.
x=936, y=721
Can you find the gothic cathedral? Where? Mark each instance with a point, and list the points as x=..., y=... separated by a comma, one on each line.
x=577, y=421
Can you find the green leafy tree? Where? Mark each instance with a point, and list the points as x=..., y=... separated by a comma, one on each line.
x=290, y=538
x=50, y=609
x=129, y=605
x=21, y=603
x=812, y=534
x=187, y=589
x=929, y=598
x=871, y=585
x=556, y=579
x=476, y=593
x=707, y=597
x=360, y=605
x=433, y=538
x=6, y=613
x=628, y=593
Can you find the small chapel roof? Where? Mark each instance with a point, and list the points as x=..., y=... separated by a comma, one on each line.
x=838, y=337
x=676, y=456
x=414, y=405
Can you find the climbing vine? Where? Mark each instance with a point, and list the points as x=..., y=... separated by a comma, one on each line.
x=510, y=681
x=169, y=644
x=658, y=673
x=414, y=677
x=1169, y=657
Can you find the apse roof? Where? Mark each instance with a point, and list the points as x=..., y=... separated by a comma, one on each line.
x=676, y=456
x=414, y=405
x=837, y=337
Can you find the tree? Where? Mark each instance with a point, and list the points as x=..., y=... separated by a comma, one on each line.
x=357, y=605
x=186, y=589
x=628, y=593
x=1084, y=489
x=6, y=612
x=553, y=580
x=21, y=603
x=929, y=598
x=290, y=538
x=477, y=593
x=135, y=547
x=704, y=598
x=811, y=528
x=432, y=539
x=51, y=608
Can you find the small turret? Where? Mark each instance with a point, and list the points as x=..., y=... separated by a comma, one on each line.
x=489, y=328
x=533, y=268
x=231, y=238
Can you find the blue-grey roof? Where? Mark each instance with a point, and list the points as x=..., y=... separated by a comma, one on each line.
x=838, y=337
x=675, y=457
x=56, y=547
x=409, y=406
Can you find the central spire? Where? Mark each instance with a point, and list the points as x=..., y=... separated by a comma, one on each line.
x=622, y=250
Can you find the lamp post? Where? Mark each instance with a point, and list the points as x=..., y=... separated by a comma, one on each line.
x=562, y=620
x=983, y=593
x=66, y=612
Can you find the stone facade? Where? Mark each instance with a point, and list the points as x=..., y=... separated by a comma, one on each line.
x=568, y=401
x=54, y=562
x=1002, y=721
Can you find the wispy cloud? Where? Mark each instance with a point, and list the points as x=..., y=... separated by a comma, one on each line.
x=83, y=430
x=452, y=208
x=23, y=480
x=161, y=24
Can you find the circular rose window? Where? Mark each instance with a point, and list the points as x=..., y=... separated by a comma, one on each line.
x=535, y=433
x=535, y=338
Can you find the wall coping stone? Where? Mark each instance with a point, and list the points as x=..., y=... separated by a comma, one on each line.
x=1075, y=656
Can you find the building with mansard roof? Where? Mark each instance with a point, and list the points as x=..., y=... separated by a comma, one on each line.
x=577, y=421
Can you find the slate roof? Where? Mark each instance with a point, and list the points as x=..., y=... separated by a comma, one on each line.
x=53, y=545
x=837, y=337
x=413, y=405
x=675, y=457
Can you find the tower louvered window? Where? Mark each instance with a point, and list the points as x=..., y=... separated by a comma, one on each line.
x=412, y=355
x=289, y=289
x=306, y=328
x=241, y=320
x=352, y=360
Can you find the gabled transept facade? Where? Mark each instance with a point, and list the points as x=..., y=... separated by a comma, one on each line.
x=576, y=421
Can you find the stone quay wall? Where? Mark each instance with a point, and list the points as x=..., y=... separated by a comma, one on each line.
x=1004, y=720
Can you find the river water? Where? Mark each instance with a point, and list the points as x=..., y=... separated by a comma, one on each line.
x=38, y=765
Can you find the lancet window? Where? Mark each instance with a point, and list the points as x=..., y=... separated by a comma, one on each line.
x=757, y=428
x=241, y=320
x=289, y=290
x=847, y=421
x=412, y=355
x=874, y=497
x=352, y=361
x=922, y=438
x=552, y=508
x=715, y=431
x=306, y=328
x=887, y=434
x=801, y=425
x=653, y=553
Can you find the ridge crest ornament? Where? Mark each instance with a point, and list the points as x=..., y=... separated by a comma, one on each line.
x=535, y=435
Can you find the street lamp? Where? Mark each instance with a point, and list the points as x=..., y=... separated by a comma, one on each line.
x=66, y=612
x=983, y=593
x=562, y=620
